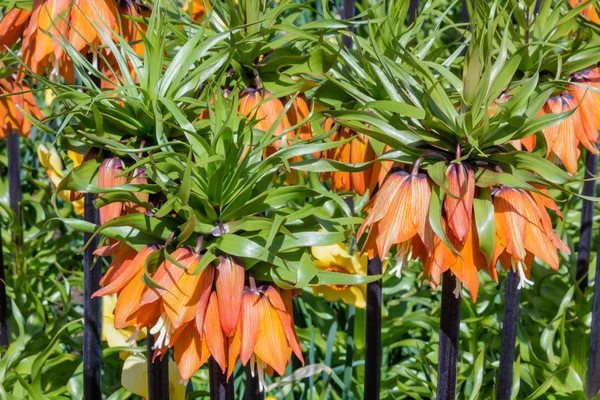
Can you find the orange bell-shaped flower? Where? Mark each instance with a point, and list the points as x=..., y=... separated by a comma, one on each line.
x=564, y=138
x=522, y=232
x=229, y=284
x=266, y=336
x=458, y=203
x=399, y=214
x=108, y=177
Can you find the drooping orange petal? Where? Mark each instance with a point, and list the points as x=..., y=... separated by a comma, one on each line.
x=286, y=321
x=398, y=226
x=229, y=284
x=271, y=346
x=233, y=351
x=459, y=209
x=250, y=321
x=465, y=268
x=107, y=178
x=181, y=300
x=128, y=301
x=190, y=352
x=87, y=13
x=12, y=27
x=510, y=227
x=126, y=272
x=122, y=256
x=168, y=273
x=50, y=17
x=383, y=199
x=206, y=284
x=213, y=335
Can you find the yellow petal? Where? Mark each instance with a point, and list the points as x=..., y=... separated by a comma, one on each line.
x=354, y=295
x=43, y=154
x=327, y=254
x=135, y=375
x=176, y=389
x=75, y=157
x=114, y=337
x=55, y=162
x=108, y=305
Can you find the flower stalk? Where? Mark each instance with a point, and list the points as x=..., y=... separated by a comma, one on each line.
x=220, y=389
x=4, y=334
x=373, y=333
x=510, y=323
x=13, y=140
x=253, y=391
x=449, y=329
x=92, y=309
x=593, y=373
x=158, y=373
x=587, y=215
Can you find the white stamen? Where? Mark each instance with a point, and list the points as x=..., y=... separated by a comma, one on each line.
x=182, y=382
x=133, y=338
x=163, y=325
x=457, y=289
x=517, y=266
x=259, y=365
x=403, y=255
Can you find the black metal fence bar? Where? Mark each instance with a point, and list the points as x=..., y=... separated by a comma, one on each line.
x=449, y=329
x=92, y=310
x=158, y=373
x=253, y=391
x=4, y=334
x=509, y=337
x=13, y=140
x=587, y=215
x=220, y=389
x=349, y=13
x=593, y=374
x=373, y=333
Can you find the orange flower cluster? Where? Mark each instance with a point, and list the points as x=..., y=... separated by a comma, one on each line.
x=202, y=314
x=13, y=96
x=53, y=23
x=399, y=215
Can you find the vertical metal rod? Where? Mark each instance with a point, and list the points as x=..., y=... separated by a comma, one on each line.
x=413, y=7
x=253, y=391
x=373, y=333
x=158, y=373
x=14, y=180
x=510, y=323
x=349, y=13
x=4, y=333
x=449, y=329
x=92, y=310
x=587, y=216
x=593, y=374
x=465, y=12
x=220, y=389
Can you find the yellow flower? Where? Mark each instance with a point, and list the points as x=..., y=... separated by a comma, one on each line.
x=51, y=160
x=135, y=378
x=337, y=259
x=116, y=337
